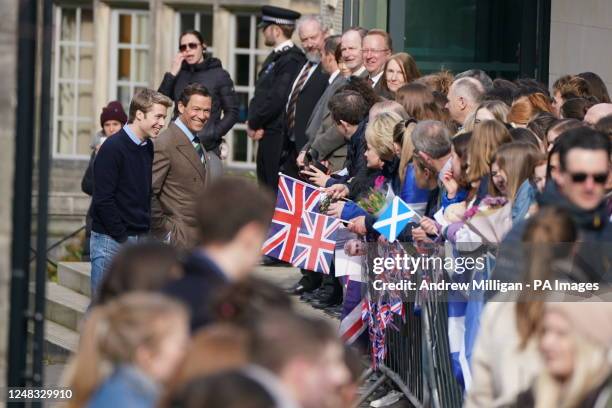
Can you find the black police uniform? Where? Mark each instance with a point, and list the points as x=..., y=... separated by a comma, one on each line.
x=267, y=108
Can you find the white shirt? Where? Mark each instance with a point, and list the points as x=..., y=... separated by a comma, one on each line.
x=282, y=45
x=359, y=71
x=376, y=78
x=297, y=78
x=333, y=76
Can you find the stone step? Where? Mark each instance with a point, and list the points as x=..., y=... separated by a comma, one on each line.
x=61, y=337
x=60, y=342
x=75, y=276
x=64, y=306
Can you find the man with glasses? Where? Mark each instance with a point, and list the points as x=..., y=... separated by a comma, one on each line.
x=376, y=48
x=266, y=110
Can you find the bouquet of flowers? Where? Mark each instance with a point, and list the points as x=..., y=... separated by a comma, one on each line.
x=377, y=198
x=374, y=202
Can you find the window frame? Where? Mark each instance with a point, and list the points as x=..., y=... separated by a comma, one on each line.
x=210, y=49
x=253, y=52
x=75, y=81
x=115, y=46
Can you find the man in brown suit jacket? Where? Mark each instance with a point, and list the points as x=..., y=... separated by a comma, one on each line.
x=179, y=170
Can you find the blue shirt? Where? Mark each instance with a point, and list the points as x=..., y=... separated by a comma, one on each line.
x=185, y=129
x=132, y=136
x=128, y=386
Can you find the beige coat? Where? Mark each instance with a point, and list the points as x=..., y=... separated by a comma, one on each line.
x=179, y=177
x=500, y=369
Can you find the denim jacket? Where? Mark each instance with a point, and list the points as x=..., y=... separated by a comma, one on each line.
x=128, y=386
x=525, y=196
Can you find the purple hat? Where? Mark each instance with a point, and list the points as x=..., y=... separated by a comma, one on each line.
x=113, y=111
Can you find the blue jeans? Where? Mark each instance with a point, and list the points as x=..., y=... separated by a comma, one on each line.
x=102, y=249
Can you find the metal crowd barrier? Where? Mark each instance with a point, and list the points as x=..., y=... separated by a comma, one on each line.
x=418, y=359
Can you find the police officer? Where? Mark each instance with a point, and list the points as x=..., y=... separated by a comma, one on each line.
x=266, y=121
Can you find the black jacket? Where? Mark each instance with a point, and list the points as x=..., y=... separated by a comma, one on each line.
x=306, y=102
x=197, y=288
x=274, y=82
x=211, y=74
x=593, y=254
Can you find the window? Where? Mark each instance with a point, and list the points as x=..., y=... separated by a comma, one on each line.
x=129, y=54
x=196, y=20
x=246, y=59
x=468, y=34
x=73, y=122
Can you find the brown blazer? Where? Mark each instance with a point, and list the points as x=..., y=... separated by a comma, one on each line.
x=178, y=179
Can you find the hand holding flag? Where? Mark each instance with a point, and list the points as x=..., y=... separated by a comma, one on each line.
x=394, y=219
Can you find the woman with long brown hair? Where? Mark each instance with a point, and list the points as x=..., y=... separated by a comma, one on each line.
x=400, y=69
x=486, y=139
x=420, y=104
x=511, y=173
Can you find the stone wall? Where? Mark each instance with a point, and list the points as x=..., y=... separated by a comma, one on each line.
x=331, y=11
x=8, y=57
x=580, y=35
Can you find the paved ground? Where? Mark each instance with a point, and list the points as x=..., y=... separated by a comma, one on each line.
x=287, y=277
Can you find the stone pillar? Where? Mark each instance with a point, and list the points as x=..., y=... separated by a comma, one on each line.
x=331, y=12
x=8, y=102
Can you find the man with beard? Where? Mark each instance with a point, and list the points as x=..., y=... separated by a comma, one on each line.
x=266, y=122
x=306, y=90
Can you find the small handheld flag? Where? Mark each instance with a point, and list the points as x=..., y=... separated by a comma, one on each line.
x=394, y=219
x=316, y=242
x=294, y=198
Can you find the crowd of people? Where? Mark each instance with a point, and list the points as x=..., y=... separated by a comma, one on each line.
x=179, y=320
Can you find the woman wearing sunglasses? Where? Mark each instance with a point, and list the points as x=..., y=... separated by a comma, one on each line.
x=192, y=64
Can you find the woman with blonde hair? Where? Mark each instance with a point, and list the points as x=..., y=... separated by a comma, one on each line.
x=491, y=110
x=411, y=193
x=129, y=347
x=527, y=107
x=575, y=342
x=382, y=165
x=400, y=69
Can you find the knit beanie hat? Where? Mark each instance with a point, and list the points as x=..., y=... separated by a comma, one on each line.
x=113, y=111
x=592, y=320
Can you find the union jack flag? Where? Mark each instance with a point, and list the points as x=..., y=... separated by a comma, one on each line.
x=293, y=199
x=355, y=311
x=316, y=242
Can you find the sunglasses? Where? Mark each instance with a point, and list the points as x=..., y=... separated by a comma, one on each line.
x=599, y=178
x=192, y=46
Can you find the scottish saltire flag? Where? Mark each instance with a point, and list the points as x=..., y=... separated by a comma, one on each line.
x=316, y=241
x=394, y=219
x=464, y=311
x=456, y=343
x=293, y=199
